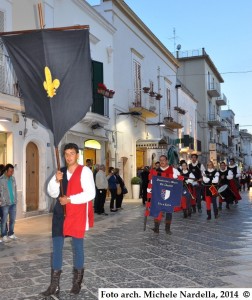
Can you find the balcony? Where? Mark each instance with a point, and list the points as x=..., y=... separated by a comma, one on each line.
x=222, y=100
x=223, y=127
x=214, y=120
x=171, y=123
x=8, y=79
x=180, y=110
x=222, y=149
x=142, y=103
x=213, y=90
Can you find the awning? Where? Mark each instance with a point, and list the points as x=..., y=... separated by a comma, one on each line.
x=152, y=144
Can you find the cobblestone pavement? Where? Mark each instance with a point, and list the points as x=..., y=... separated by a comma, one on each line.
x=118, y=253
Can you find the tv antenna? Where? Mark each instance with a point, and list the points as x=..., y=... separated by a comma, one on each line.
x=174, y=40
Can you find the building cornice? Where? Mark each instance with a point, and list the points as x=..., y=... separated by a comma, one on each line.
x=95, y=15
x=128, y=12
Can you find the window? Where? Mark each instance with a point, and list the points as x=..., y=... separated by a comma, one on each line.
x=137, y=82
x=168, y=101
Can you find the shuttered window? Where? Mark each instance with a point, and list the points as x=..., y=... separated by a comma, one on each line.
x=1, y=30
x=100, y=104
x=137, y=82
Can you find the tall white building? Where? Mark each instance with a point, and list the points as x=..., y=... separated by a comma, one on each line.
x=149, y=111
x=199, y=74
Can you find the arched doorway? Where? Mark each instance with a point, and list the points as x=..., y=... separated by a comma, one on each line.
x=32, y=177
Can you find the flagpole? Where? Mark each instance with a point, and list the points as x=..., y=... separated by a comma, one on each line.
x=42, y=25
x=58, y=168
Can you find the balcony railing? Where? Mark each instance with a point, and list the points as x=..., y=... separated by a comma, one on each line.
x=213, y=89
x=143, y=103
x=222, y=100
x=214, y=120
x=8, y=79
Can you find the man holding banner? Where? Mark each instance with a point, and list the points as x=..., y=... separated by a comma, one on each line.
x=164, y=192
x=79, y=190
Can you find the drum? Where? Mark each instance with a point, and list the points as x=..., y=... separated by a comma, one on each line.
x=226, y=193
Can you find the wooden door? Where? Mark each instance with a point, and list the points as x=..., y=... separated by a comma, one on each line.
x=32, y=177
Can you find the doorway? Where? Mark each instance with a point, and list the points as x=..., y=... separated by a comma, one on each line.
x=90, y=154
x=32, y=177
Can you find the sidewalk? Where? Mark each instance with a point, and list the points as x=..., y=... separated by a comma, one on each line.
x=118, y=253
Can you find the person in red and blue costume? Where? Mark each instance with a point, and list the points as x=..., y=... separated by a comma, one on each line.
x=211, y=180
x=166, y=171
x=78, y=191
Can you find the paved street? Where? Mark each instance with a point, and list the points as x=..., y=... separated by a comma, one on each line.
x=118, y=253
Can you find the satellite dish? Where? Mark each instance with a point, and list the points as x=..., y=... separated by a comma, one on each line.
x=178, y=47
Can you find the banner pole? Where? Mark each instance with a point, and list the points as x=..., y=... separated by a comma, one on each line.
x=58, y=168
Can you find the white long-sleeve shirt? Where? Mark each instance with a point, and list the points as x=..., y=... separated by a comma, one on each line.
x=87, y=184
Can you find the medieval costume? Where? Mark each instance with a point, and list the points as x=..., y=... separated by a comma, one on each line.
x=211, y=179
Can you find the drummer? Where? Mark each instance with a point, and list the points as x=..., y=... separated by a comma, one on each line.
x=197, y=169
x=210, y=180
x=225, y=176
x=187, y=188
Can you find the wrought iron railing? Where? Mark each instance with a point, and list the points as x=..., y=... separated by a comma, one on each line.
x=8, y=79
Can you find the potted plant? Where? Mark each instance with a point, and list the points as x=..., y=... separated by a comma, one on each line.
x=135, y=184
x=146, y=89
x=111, y=93
x=101, y=88
x=158, y=96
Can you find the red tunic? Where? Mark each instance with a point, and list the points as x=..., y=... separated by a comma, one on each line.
x=77, y=215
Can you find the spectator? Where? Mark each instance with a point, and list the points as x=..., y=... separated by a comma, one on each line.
x=8, y=199
x=144, y=183
x=112, y=188
x=101, y=184
x=89, y=163
x=119, y=198
x=96, y=169
x=1, y=212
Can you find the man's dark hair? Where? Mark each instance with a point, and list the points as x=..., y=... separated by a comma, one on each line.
x=71, y=146
x=157, y=162
x=88, y=160
x=8, y=166
x=194, y=154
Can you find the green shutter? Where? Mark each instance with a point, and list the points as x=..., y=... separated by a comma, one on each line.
x=98, y=100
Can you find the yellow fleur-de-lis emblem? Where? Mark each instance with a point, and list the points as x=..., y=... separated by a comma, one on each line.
x=49, y=85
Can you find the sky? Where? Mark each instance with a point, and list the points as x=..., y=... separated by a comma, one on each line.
x=222, y=27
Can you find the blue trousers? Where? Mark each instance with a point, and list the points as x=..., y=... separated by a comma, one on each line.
x=78, y=252
x=8, y=210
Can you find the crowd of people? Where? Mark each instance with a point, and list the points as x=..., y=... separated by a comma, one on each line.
x=112, y=183
x=212, y=185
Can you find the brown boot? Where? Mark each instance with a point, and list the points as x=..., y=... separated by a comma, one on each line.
x=156, y=226
x=54, y=287
x=168, y=227
x=77, y=280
